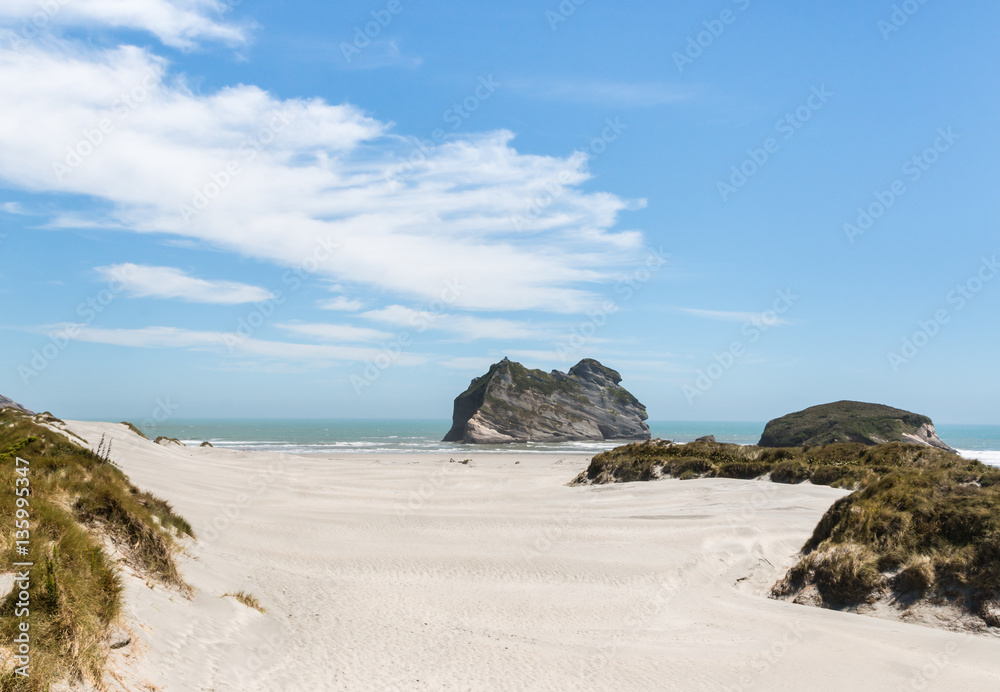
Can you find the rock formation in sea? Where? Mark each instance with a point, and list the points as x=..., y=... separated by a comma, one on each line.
x=10, y=403
x=511, y=403
x=850, y=421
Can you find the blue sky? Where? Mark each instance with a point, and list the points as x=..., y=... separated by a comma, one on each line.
x=351, y=209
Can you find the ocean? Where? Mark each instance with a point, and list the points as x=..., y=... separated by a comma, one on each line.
x=424, y=436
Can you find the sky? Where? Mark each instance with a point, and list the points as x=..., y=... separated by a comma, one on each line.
x=349, y=210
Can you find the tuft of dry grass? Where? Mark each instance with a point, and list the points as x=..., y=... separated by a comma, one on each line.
x=249, y=600
x=134, y=429
x=917, y=577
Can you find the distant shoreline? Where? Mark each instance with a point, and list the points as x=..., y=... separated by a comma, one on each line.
x=402, y=436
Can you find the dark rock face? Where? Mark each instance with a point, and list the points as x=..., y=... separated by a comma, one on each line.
x=10, y=403
x=513, y=404
x=850, y=421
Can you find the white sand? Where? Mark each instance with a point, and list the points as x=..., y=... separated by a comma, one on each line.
x=411, y=573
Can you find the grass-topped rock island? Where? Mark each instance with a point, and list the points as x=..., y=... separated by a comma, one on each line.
x=850, y=421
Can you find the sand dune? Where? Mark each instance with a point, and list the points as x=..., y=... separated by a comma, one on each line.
x=413, y=573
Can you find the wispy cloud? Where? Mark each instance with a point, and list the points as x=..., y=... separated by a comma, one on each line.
x=142, y=281
x=178, y=23
x=769, y=318
x=380, y=53
x=466, y=327
x=476, y=364
x=328, y=175
x=335, y=332
x=342, y=303
x=225, y=343
x=14, y=208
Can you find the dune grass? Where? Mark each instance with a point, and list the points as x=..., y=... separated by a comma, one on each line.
x=922, y=525
x=249, y=600
x=912, y=534
x=134, y=429
x=78, y=501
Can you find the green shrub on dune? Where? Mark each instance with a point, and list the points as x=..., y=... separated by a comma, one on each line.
x=931, y=533
x=847, y=465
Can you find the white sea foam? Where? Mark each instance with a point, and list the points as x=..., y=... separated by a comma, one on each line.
x=990, y=457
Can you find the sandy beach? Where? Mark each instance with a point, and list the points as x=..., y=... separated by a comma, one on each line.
x=411, y=572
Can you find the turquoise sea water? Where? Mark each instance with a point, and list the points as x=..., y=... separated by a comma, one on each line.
x=400, y=436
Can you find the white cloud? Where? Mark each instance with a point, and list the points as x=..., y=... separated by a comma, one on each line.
x=226, y=343
x=14, y=208
x=178, y=23
x=335, y=332
x=141, y=281
x=768, y=318
x=465, y=327
x=319, y=186
x=342, y=303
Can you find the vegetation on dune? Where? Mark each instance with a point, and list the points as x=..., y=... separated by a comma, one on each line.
x=844, y=465
x=78, y=501
x=913, y=533
x=249, y=600
x=134, y=429
x=923, y=523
